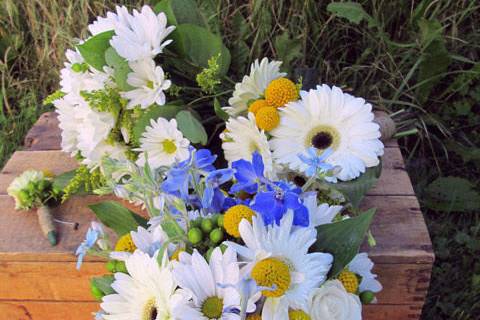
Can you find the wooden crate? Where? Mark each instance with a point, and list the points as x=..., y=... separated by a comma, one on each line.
x=41, y=282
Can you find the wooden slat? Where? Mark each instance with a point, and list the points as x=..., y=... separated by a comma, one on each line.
x=55, y=161
x=47, y=310
x=391, y=312
x=45, y=134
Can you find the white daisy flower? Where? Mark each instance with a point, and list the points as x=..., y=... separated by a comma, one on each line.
x=143, y=37
x=103, y=24
x=328, y=118
x=163, y=144
x=146, y=292
x=242, y=138
x=149, y=81
x=362, y=265
x=277, y=257
x=209, y=287
x=320, y=213
x=94, y=158
x=253, y=86
x=68, y=122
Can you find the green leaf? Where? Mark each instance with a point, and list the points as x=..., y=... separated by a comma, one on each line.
x=355, y=190
x=351, y=11
x=198, y=45
x=452, y=194
x=180, y=12
x=172, y=228
x=343, y=239
x=62, y=180
x=287, y=49
x=117, y=217
x=167, y=111
x=191, y=128
x=120, y=67
x=93, y=50
x=104, y=284
x=219, y=111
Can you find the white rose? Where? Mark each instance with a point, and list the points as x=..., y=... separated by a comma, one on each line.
x=333, y=302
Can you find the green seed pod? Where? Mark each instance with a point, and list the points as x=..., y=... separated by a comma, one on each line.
x=195, y=235
x=207, y=225
x=111, y=266
x=216, y=235
x=96, y=292
x=367, y=297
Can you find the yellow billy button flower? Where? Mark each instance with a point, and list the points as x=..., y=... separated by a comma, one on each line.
x=298, y=315
x=212, y=307
x=233, y=217
x=125, y=243
x=272, y=273
x=349, y=281
x=280, y=92
x=257, y=105
x=254, y=316
x=267, y=118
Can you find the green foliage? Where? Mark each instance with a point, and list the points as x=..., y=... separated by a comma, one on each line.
x=52, y=97
x=180, y=12
x=219, y=111
x=352, y=11
x=93, y=50
x=120, y=67
x=153, y=113
x=104, y=284
x=208, y=79
x=343, y=239
x=452, y=194
x=191, y=127
x=118, y=218
x=79, y=181
x=287, y=49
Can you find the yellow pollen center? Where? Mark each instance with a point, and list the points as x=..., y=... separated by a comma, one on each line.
x=150, y=84
x=176, y=254
x=254, y=316
x=212, y=307
x=280, y=92
x=267, y=118
x=298, y=315
x=322, y=137
x=125, y=243
x=272, y=273
x=349, y=281
x=233, y=217
x=169, y=146
x=150, y=310
x=257, y=105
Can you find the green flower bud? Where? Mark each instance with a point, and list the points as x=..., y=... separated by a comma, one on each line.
x=216, y=235
x=195, y=235
x=220, y=221
x=96, y=292
x=367, y=297
x=207, y=225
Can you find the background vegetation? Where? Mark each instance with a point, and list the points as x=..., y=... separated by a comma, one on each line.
x=416, y=59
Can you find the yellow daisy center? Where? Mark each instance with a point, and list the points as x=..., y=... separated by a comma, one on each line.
x=176, y=254
x=349, y=281
x=169, y=146
x=267, y=118
x=323, y=137
x=257, y=105
x=280, y=92
x=274, y=273
x=49, y=174
x=125, y=243
x=212, y=307
x=254, y=317
x=298, y=315
x=233, y=217
x=150, y=310
x=150, y=84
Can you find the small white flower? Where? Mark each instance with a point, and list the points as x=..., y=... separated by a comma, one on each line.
x=253, y=86
x=143, y=36
x=320, y=214
x=362, y=265
x=163, y=144
x=20, y=183
x=331, y=301
x=121, y=16
x=149, y=83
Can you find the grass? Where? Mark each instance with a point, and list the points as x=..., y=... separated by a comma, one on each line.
x=418, y=59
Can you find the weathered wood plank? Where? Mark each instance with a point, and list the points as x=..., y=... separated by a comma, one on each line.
x=55, y=161
x=45, y=134
x=391, y=312
x=43, y=310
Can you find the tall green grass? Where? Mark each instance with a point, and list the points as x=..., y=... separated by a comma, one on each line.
x=416, y=59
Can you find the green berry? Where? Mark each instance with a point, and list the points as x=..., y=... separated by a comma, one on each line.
x=215, y=219
x=367, y=297
x=209, y=253
x=220, y=221
x=216, y=235
x=96, y=292
x=195, y=235
x=111, y=266
x=207, y=225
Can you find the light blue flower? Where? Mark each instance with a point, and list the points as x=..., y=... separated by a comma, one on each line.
x=91, y=238
x=316, y=163
x=213, y=197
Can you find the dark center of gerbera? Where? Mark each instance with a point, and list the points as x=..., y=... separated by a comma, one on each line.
x=322, y=140
x=150, y=310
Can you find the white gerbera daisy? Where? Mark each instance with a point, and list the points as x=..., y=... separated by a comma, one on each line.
x=163, y=144
x=362, y=265
x=320, y=214
x=147, y=292
x=149, y=83
x=209, y=287
x=277, y=257
x=253, y=86
x=121, y=16
x=242, y=138
x=143, y=36
x=328, y=118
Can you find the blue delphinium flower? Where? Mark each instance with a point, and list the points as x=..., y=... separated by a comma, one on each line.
x=274, y=203
x=213, y=197
x=178, y=180
x=203, y=159
x=248, y=174
x=316, y=162
x=91, y=238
